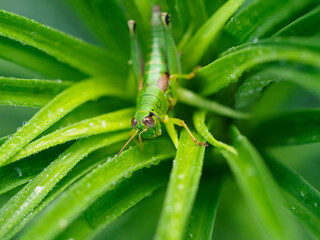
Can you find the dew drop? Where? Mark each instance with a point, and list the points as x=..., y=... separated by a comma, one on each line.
x=38, y=189
x=104, y=124
x=63, y=223
x=181, y=176
x=18, y=171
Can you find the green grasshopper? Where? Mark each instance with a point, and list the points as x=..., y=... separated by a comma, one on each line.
x=158, y=85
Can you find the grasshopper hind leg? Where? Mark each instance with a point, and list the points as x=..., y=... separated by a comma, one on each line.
x=170, y=122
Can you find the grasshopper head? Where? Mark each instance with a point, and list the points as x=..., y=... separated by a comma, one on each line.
x=148, y=123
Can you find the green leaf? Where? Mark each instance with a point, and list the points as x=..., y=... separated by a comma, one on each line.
x=252, y=88
x=305, y=199
x=199, y=122
x=105, y=12
x=230, y=67
x=261, y=18
x=63, y=103
x=86, y=13
x=307, y=25
x=144, y=7
x=182, y=189
x=112, y=22
x=36, y=60
x=6, y=197
x=29, y=92
x=192, y=99
x=139, y=222
x=179, y=16
x=289, y=128
x=19, y=173
x=193, y=51
x=115, y=202
x=32, y=194
x=198, y=14
x=78, y=54
x=143, y=27
x=56, y=217
x=110, y=122
x=205, y=208
x=258, y=188
x=83, y=167
x=89, y=110
x=3, y=139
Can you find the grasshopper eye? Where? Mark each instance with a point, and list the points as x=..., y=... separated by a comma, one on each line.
x=134, y=122
x=149, y=121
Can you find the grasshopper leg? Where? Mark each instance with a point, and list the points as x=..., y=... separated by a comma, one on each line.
x=185, y=76
x=172, y=133
x=175, y=121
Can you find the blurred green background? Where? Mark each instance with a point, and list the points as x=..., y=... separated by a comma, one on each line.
x=305, y=159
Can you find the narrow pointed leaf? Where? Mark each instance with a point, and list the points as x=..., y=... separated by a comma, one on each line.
x=200, y=42
x=305, y=200
x=198, y=14
x=261, y=18
x=4, y=139
x=32, y=194
x=110, y=16
x=142, y=26
x=289, y=128
x=37, y=60
x=110, y=122
x=54, y=219
x=179, y=15
x=115, y=202
x=29, y=92
x=192, y=99
x=52, y=112
x=230, y=67
x=84, y=9
x=204, y=210
x=258, y=188
x=307, y=25
x=112, y=22
x=78, y=54
x=182, y=189
x=89, y=110
x=22, y=172
x=82, y=168
x=144, y=7
x=253, y=87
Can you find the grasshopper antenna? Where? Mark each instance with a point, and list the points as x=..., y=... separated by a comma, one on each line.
x=140, y=139
x=127, y=143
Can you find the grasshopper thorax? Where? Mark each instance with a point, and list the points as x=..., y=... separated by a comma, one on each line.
x=147, y=122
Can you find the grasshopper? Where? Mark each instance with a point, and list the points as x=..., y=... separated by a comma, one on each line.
x=158, y=84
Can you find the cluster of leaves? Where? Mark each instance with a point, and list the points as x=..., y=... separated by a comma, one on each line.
x=66, y=151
